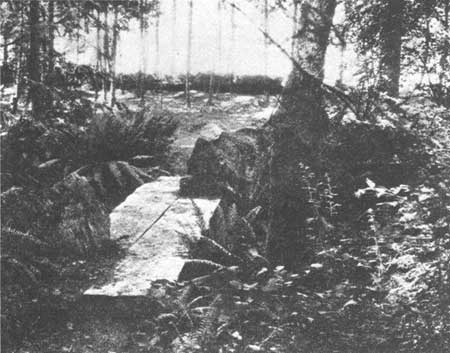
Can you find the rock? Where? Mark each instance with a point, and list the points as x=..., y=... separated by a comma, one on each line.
x=84, y=220
x=210, y=132
x=229, y=160
x=143, y=161
x=142, y=208
x=67, y=215
x=27, y=210
x=114, y=181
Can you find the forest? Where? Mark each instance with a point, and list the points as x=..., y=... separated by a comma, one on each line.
x=164, y=188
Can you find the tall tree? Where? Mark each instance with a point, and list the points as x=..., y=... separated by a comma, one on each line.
x=157, y=49
x=19, y=52
x=294, y=26
x=219, y=41
x=115, y=38
x=106, y=54
x=34, y=67
x=444, y=61
x=98, y=46
x=232, y=49
x=51, y=35
x=266, y=41
x=173, y=37
x=142, y=5
x=216, y=56
x=391, y=31
x=297, y=127
x=188, y=54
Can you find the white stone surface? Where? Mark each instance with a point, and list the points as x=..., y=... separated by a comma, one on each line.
x=158, y=222
x=142, y=208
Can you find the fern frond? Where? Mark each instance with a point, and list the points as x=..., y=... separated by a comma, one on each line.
x=27, y=271
x=212, y=243
x=202, y=262
x=253, y=213
x=206, y=325
x=248, y=231
x=200, y=216
x=14, y=241
x=233, y=216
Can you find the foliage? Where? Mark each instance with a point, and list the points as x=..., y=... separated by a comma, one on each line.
x=247, y=84
x=425, y=40
x=140, y=133
x=35, y=153
x=376, y=275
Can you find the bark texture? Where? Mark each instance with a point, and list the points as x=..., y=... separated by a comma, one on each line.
x=114, y=55
x=34, y=67
x=51, y=36
x=297, y=129
x=188, y=56
x=390, y=46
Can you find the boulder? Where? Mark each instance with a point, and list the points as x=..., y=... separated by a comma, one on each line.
x=67, y=215
x=229, y=161
x=143, y=161
x=84, y=220
x=114, y=181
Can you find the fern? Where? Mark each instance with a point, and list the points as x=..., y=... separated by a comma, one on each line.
x=205, y=329
x=253, y=213
x=26, y=271
x=200, y=216
x=202, y=262
x=216, y=246
x=19, y=243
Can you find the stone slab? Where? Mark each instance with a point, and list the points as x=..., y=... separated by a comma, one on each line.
x=160, y=252
x=142, y=208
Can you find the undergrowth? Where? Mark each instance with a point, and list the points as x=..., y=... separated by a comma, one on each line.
x=377, y=275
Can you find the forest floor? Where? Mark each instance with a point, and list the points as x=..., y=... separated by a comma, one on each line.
x=117, y=325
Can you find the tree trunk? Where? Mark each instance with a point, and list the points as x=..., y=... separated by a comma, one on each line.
x=114, y=55
x=173, y=37
x=19, y=67
x=211, y=87
x=106, y=56
x=51, y=36
x=5, y=71
x=444, y=60
x=342, y=64
x=157, y=72
x=266, y=47
x=4, y=75
x=34, y=68
x=98, y=65
x=297, y=128
x=266, y=42
x=5, y=49
x=390, y=47
x=218, y=54
x=219, y=42
x=231, y=68
x=143, y=52
x=188, y=56
x=294, y=27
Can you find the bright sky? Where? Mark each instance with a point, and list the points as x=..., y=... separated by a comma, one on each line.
x=246, y=58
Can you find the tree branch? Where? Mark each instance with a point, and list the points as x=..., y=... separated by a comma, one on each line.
x=328, y=88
